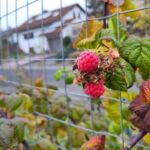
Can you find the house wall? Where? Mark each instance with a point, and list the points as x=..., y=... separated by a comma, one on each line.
x=76, y=10
x=72, y=30
x=39, y=41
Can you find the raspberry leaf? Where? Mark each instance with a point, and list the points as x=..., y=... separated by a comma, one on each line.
x=122, y=78
x=122, y=30
x=93, y=26
x=13, y=102
x=137, y=53
x=95, y=143
x=145, y=91
x=96, y=39
x=6, y=133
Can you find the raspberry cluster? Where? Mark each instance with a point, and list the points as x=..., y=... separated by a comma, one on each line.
x=92, y=70
x=87, y=64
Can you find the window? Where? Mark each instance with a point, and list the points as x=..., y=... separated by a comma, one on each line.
x=29, y=36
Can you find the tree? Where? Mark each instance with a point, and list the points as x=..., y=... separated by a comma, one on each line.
x=95, y=8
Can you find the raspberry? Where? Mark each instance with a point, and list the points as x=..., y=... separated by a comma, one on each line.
x=95, y=89
x=87, y=62
x=114, y=53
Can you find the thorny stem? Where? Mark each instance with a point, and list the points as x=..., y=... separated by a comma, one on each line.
x=135, y=140
x=105, y=14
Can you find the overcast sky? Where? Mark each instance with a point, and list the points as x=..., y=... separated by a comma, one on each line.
x=34, y=8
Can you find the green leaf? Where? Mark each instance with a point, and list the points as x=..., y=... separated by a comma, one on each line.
x=13, y=102
x=88, y=43
x=123, y=34
x=122, y=78
x=106, y=34
x=137, y=53
x=69, y=78
x=6, y=133
x=11, y=131
x=19, y=129
x=58, y=74
x=95, y=40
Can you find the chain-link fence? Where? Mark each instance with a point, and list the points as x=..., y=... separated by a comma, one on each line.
x=21, y=67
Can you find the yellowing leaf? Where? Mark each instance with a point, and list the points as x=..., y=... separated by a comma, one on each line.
x=147, y=138
x=27, y=101
x=107, y=43
x=129, y=5
x=102, y=50
x=39, y=82
x=113, y=9
x=92, y=26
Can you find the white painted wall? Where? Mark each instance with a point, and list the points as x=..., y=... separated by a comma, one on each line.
x=38, y=43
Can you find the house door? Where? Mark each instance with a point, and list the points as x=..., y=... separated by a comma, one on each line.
x=55, y=44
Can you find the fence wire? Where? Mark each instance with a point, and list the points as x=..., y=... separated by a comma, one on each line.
x=63, y=60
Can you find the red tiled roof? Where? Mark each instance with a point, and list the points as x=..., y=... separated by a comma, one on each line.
x=45, y=21
x=57, y=31
x=53, y=34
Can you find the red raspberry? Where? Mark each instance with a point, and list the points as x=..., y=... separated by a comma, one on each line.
x=95, y=89
x=87, y=62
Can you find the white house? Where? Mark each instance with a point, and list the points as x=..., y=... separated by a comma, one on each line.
x=42, y=32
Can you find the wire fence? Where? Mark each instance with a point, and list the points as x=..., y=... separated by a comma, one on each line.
x=7, y=64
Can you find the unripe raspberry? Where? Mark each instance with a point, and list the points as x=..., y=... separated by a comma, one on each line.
x=88, y=62
x=114, y=53
x=95, y=89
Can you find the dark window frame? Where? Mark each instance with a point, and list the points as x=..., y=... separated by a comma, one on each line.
x=29, y=35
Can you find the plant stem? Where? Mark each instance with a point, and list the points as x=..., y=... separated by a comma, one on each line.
x=105, y=14
x=26, y=145
x=135, y=140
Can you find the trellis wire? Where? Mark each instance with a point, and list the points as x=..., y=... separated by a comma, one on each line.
x=65, y=92
x=120, y=94
x=65, y=86
x=45, y=75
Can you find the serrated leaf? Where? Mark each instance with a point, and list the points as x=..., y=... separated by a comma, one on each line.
x=122, y=78
x=87, y=43
x=122, y=30
x=97, y=40
x=13, y=102
x=137, y=53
